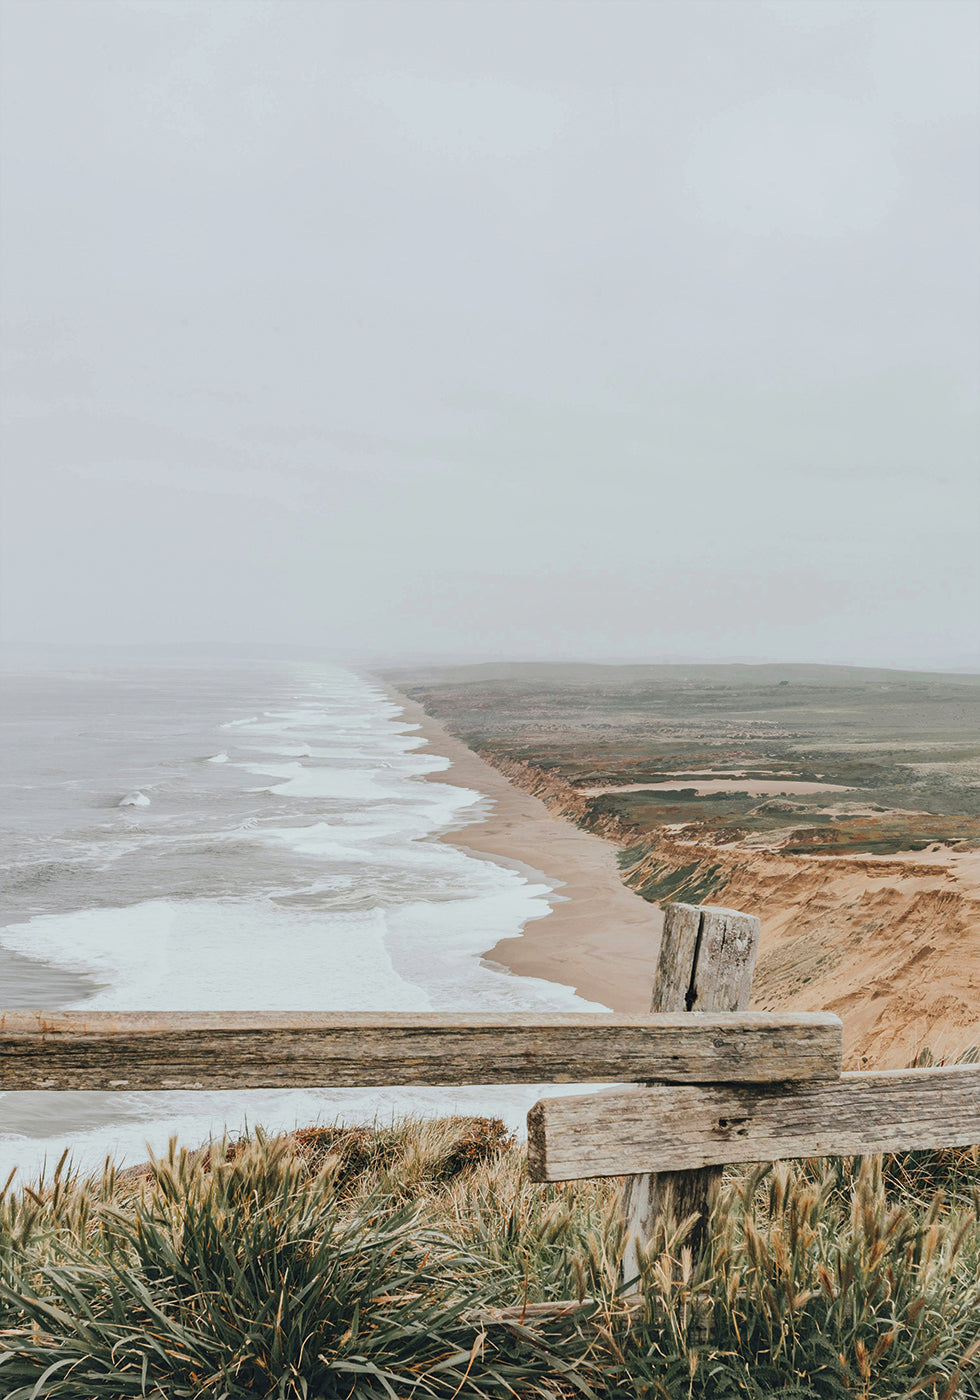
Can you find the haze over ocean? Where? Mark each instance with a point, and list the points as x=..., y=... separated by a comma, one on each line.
x=280, y=860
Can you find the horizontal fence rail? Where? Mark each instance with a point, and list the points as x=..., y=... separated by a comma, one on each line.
x=128, y=1051
x=702, y=1081
x=666, y=1128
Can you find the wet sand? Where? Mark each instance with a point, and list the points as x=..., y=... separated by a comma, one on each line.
x=600, y=937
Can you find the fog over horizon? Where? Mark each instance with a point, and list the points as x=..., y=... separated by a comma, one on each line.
x=489, y=330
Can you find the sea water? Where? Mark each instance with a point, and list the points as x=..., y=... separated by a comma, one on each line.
x=239, y=839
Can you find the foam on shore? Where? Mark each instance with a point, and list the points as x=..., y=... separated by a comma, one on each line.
x=394, y=920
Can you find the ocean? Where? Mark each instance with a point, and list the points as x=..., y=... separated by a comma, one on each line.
x=239, y=839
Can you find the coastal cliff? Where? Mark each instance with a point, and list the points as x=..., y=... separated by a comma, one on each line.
x=842, y=806
x=890, y=945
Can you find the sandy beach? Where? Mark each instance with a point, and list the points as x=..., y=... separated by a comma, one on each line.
x=600, y=937
x=858, y=935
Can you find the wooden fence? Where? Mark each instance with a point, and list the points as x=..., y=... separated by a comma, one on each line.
x=709, y=1082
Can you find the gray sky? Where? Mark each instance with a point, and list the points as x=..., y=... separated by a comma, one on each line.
x=490, y=329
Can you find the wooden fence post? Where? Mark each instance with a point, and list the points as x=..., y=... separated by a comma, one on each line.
x=707, y=958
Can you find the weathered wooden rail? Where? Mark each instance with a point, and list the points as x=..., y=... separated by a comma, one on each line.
x=126, y=1051
x=670, y=1128
x=711, y=1082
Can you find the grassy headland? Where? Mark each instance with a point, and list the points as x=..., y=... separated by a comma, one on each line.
x=840, y=804
x=376, y=1264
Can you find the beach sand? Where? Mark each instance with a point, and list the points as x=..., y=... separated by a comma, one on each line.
x=889, y=944
x=600, y=937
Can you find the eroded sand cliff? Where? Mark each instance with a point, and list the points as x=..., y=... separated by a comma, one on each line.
x=891, y=945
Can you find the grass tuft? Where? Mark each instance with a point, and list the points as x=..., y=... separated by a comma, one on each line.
x=351, y=1262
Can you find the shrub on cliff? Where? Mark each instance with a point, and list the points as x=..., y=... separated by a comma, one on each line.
x=346, y=1263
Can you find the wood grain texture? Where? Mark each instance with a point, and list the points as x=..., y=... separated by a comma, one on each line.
x=678, y=957
x=707, y=959
x=665, y=1128
x=728, y=944
x=130, y=1051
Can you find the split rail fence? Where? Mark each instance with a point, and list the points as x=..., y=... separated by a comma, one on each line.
x=705, y=1082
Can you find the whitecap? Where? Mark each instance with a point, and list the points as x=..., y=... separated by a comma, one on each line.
x=394, y=920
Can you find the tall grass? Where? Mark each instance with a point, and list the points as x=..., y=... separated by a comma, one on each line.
x=356, y=1263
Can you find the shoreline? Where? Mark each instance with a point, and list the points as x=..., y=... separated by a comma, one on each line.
x=35, y=984
x=854, y=934
x=600, y=937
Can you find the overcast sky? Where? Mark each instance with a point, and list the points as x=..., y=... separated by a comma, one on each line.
x=494, y=329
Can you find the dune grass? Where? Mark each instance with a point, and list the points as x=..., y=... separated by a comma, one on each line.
x=344, y=1263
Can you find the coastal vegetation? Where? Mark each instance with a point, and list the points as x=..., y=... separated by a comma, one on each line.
x=417, y=1260
x=378, y=1263
x=895, y=754
x=840, y=804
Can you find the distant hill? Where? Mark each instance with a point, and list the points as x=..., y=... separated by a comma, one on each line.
x=733, y=674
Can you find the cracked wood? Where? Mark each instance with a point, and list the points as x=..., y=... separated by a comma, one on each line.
x=665, y=1128
x=235, y=1050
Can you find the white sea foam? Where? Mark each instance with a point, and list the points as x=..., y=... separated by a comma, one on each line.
x=219, y=757
x=397, y=921
x=289, y=750
x=201, y=955
x=294, y=780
